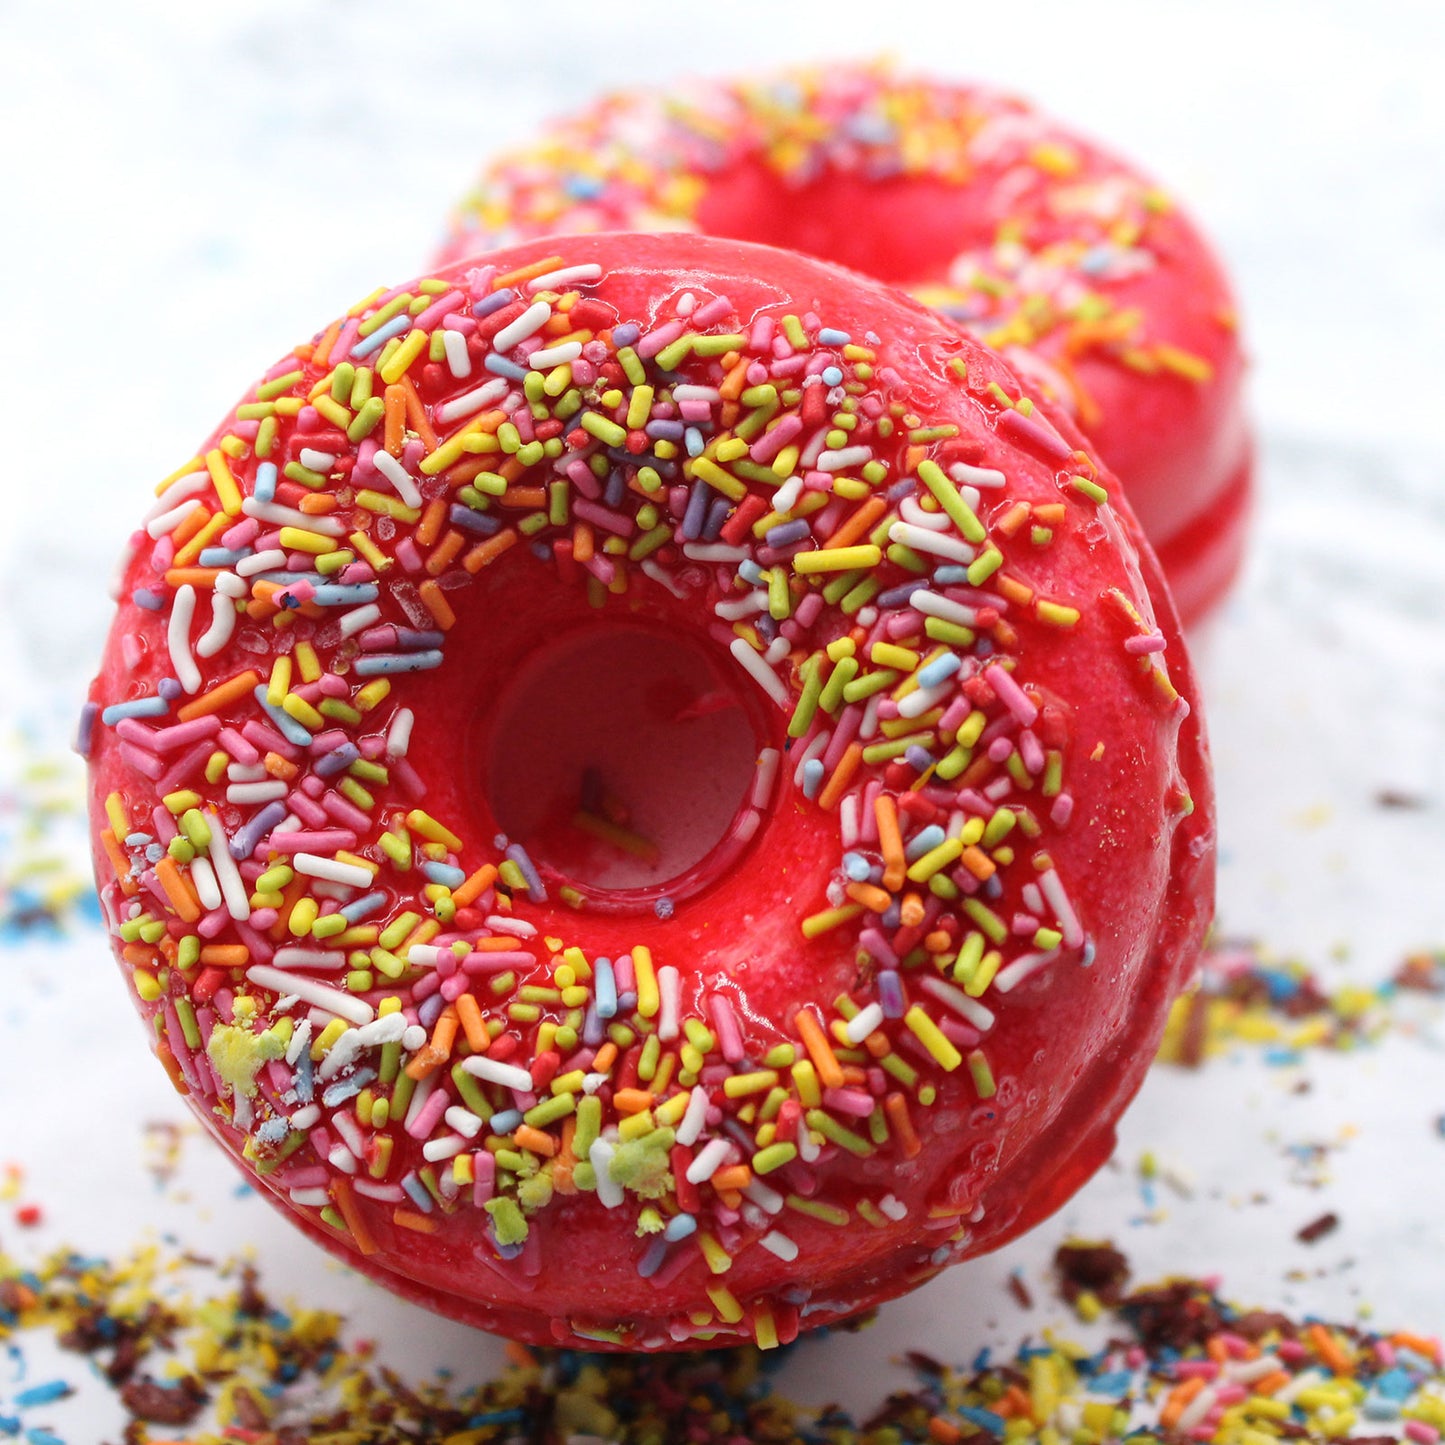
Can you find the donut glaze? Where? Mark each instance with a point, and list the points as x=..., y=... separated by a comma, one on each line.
x=1087, y=277
x=887, y=1022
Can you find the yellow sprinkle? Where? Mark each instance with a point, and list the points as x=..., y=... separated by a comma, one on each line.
x=933, y=1039
x=225, y=484
x=837, y=559
x=649, y=1001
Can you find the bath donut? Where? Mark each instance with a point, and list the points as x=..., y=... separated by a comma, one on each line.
x=1087, y=276
x=645, y=793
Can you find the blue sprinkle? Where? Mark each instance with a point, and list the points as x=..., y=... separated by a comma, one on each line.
x=151, y=601
x=652, y=1258
x=506, y=1121
x=605, y=988
x=45, y=1394
x=923, y=841
x=500, y=366
x=337, y=594
x=273, y=1131
x=679, y=1227
x=413, y=640
x=141, y=707
x=750, y=572
x=831, y=336
x=939, y=670
x=381, y=336
x=717, y=515
x=305, y=1077
x=285, y=724
x=813, y=777
x=363, y=907
x=266, y=475
x=692, y=440
x=222, y=556
x=416, y=1192
x=832, y=376
x=349, y=1088
x=986, y=1419
x=383, y=663
x=857, y=867
x=470, y=520
x=950, y=575
x=337, y=760
x=444, y=874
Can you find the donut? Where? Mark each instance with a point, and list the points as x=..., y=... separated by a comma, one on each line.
x=1083, y=273
x=647, y=794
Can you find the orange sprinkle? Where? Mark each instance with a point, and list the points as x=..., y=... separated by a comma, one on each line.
x=199, y=577
x=632, y=1101
x=1328, y=1349
x=1014, y=590
x=410, y=1219
x=474, y=1026
x=978, y=862
x=138, y=955
x=735, y=382
x=426, y=1060
x=394, y=420
x=490, y=550
x=433, y=518
x=473, y=889
x=583, y=542
x=445, y=552
x=435, y=602
x=535, y=1141
x=346, y=1206
x=732, y=1176
x=529, y=498
x=191, y=523
x=900, y=1121
x=1268, y=1384
x=911, y=911
x=879, y=900
x=859, y=524
x=220, y=696
x=279, y=767
x=225, y=955
x=1178, y=1398
x=119, y=862
x=322, y=349
x=1013, y=519
x=605, y=1058
x=830, y=1071
x=528, y=272
x=171, y=1065
x=944, y=1433
x=890, y=841
x=1420, y=1344
x=837, y=785
x=416, y=414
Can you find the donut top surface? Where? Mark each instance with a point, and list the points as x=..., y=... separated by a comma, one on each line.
x=1082, y=271
x=891, y=1019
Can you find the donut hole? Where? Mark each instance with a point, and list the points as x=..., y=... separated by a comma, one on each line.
x=897, y=228
x=621, y=757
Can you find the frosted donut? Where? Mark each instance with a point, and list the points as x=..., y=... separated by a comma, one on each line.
x=864, y=829
x=1084, y=274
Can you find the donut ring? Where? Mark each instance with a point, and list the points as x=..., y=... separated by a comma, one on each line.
x=887, y=1023
x=1081, y=272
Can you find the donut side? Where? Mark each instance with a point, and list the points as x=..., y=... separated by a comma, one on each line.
x=886, y=1022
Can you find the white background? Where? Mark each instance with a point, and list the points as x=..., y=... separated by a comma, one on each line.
x=188, y=189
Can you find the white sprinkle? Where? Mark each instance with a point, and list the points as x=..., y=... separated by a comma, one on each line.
x=167, y=521
x=786, y=495
x=299, y=1041
x=343, y=1159
x=837, y=461
x=333, y=959
x=352, y=874
x=237, y=900
x=955, y=998
x=471, y=402
x=290, y=517
x=458, y=359
x=893, y=1207
x=765, y=1197
x=350, y=623
x=178, y=638
x=204, y=877
x=669, y=986
x=921, y=539
x=517, y=927
x=1016, y=972
x=398, y=736
x=911, y=512
x=463, y=1121
x=765, y=777
x=547, y=357
x=245, y=772
x=713, y=552
x=447, y=1147
x=303, y=1119
x=267, y=792
x=977, y=476
x=315, y=1198
x=223, y=621
x=917, y=703
x=344, y=1005
x=934, y=605
x=761, y=673
x=494, y=1071
x=400, y=479
x=1068, y=920
x=188, y=486
x=664, y=578
x=695, y=1116
x=532, y=320
x=710, y=1158
x=863, y=1023
x=413, y=1038
x=315, y=461
x=815, y=749
x=271, y=560
x=780, y=1245
x=387, y=1193
x=565, y=277
x=731, y=609
x=690, y=391
x=609, y=1191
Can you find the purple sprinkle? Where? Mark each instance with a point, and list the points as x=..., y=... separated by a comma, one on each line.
x=169, y=688
x=528, y=869
x=899, y=596
x=249, y=834
x=663, y=908
x=85, y=731
x=472, y=521
x=151, y=601
x=787, y=532
x=890, y=994
x=625, y=335
x=696, y=514
x=717, y=515
x=494, y=302
x=919, y=758
x=660, y=429
x=337, y=760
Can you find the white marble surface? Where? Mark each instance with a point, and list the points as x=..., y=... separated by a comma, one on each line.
x=188, y=189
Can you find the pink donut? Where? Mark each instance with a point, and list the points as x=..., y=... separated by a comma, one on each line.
x=1085, y=275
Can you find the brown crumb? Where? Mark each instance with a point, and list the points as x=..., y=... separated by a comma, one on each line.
x=1097, y=1269
x=177, y=1404
x=1318, y=1228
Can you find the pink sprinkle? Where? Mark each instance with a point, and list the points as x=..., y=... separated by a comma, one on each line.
x=1152, y=642
x=1421, y=1431
x=1013, y=697
x=321, y=840
x=484, y=1174
x=856, y=1103
x=143, y=762
x=730, y=1039
x=429, y=1115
